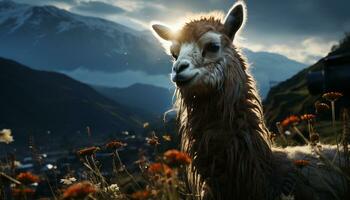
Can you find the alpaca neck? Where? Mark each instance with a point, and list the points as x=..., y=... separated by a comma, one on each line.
x=227, y=143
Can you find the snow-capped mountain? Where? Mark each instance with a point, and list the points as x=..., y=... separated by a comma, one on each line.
x=101, y=52
x=45, y=36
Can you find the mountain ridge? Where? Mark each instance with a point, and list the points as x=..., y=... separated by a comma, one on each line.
x=39, y=101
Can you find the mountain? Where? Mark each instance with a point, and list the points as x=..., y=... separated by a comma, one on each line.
x=270, y=68
x=101, y=52
x=150, y=98
x=292, y=96
x=50, y=38
x=35, y=102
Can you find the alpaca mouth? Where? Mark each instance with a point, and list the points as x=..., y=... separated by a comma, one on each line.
x=182, y=80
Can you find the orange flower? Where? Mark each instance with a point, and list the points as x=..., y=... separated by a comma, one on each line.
x=301, y=163
x=175, y=157
x=332, y=96
x=307, y=117
x=114, y=145
x=293, y=119
x=153, y=140
x=88, y=151
x=141, y=195
x=79, y=190
x=320, y=107
x=22, y=192
x=160, y=168
x=27, y=178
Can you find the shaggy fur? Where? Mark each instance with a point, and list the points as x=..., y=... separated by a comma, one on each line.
x=222, y=127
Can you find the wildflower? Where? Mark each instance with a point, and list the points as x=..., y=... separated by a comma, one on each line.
x=22, y=192
x=332, y=96
x=88, y=151
x=301, y=163
x=113, y=191
x=114, y=145
x=113, y=187
x=79, y=190
x=16, y=164
x=160, y=168
x=146, y=125
x=68, y=181
x=307, y=117
x=5, y=136
x=167, y=138
x=175, y=157
x=27, y=178
x=153, y=140
x=320, y=107
x=291, y=120
x=141, y=195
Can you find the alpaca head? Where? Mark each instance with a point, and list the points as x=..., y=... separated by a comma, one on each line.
x=204, y=56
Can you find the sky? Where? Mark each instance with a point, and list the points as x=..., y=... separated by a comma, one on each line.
x=302, y=30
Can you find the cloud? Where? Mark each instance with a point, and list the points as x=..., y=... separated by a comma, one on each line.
x=97, y=7
x=307, y=51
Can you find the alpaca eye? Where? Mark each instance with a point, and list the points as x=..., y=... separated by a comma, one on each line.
x=210, y=48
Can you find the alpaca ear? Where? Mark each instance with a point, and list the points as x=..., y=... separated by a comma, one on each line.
x=163, y=32
x=234, y=20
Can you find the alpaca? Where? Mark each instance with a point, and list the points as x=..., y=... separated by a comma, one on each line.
x=221, y=122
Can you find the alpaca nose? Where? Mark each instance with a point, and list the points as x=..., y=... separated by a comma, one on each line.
x=181, y=66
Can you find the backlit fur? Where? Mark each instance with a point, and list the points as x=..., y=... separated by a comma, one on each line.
x=222, y=127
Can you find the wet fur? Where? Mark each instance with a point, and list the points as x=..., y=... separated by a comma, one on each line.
x=222, y=128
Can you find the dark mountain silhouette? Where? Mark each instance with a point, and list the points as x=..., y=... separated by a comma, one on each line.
x=150, y=98
x=34, y=102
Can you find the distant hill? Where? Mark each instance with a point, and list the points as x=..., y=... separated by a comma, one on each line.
x=35, y=102
x=152, y=99
x=292, y=95
x=271, y=68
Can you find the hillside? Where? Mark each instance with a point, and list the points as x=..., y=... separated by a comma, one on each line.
x=35, y=102
x=292, y=95
x=150, y=98
x=271, y=68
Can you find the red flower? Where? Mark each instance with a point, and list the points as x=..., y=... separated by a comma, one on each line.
x=175, y=157
x=332, y=96
x=88, y=151
x=153, y=140
x=291, y=120
x=160, y=168
x=79, y=190
x=114, y=145
x=307, y=117
x=27, y=178
x=320, y=107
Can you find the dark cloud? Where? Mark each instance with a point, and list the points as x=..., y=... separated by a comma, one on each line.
x=97, y=7
x=312, y=17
